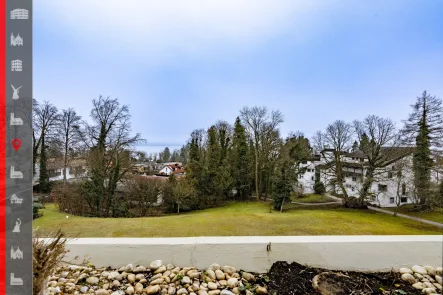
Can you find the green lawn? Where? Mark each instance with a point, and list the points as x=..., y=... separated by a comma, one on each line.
x=312, y=198
x=238, y=219
x=432, y=216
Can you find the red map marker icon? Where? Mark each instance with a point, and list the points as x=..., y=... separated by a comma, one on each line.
x=16, y=143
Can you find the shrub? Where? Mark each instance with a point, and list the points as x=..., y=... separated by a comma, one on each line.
x=142, y=195
x=36, y=210
x=319, y=188
x=69, y=198
x=355, y=203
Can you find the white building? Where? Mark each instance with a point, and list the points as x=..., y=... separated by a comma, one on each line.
x=168, y=170
x=389, y=188
x=77, y=168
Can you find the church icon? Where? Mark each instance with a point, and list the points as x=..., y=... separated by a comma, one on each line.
x=16, y=254
x=16, y=40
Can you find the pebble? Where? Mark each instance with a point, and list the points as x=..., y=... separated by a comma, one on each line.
x=131, y=278
x=230, y=270
x=419, y=269
x=232, y=283
x=139, y=269
x=439, y=279
x=129, y=268
x=157, y=281
x=130, y=290
x=116, y=283
x=407, y=277
x=261, y=290
x=202, y=292
x=406, y=270
x=430, y=270
x=84, y=289
x=250, y=277
x=161, y=269
x=214, y=267
x=182, y=291
x=219, y=275
x=419, y=286
x=92, y=280
x=155, y=264
x=226, y=292
x=214, y=292
x=138, y=287
x=186, y=280
x=171, y=290
x=115, y=276
x=101, y=292
x=170, y=266
x=212, y=286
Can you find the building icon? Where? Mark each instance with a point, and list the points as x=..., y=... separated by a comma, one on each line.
x=16, y=254
x=19, y=13
x=16, y=200
x=16, y=41
x=16, y=65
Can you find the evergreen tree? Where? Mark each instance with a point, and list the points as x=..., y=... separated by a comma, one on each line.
x=425, y=127
x=240, y=162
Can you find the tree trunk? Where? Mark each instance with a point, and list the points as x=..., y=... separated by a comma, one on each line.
x=178, y=208
x=367, y=184
x=256, y=176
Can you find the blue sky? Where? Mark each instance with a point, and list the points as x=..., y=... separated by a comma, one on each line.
x=183, y=65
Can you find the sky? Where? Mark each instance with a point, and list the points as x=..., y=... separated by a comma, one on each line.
x=184, y=65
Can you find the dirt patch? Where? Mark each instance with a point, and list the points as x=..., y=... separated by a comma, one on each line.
x=296, y=279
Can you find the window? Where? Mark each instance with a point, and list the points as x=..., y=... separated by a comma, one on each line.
x=390, y=175
x=312, y=178
x=403, y=199
x=54, y=173
x=403, y=189
x=391, y=200
x=362, y=160
x=353, y=188
x=382, y=188
x=300, y=176
x=304, y=162
x=354, y=178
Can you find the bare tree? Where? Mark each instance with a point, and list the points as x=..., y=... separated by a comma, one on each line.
x=379, y=141
x=259, y=121
x=68, y=134
x=332, y=144
x=110, y=140
x=46, y=117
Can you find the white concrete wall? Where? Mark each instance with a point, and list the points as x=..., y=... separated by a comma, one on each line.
x=250, y=253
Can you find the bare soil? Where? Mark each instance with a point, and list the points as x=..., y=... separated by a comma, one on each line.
x=296, y=279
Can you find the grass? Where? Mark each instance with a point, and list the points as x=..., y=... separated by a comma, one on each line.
x=312, y=198
x=237, y=219
x=408, y=210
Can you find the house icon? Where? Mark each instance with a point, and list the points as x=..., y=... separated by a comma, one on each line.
x=16, y=254
x=16, y=40
x=16, y=200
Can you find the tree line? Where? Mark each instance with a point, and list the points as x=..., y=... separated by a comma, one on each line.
x=234, y=161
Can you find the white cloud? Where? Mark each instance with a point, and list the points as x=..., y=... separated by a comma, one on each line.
x=158, y=29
